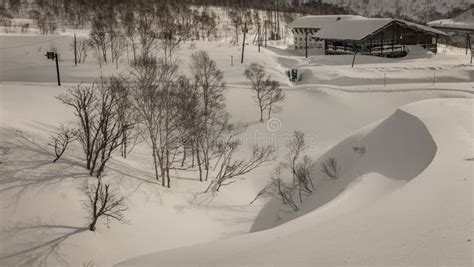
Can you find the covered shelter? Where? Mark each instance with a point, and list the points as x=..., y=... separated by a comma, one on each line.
x=375, y=36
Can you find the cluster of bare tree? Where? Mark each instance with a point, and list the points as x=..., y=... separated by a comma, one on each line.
x=268, y=92
x=44, y=20
x=186, y=120
x=104, y=118
x=182, y=118
x=101, y=129
x=291, y=180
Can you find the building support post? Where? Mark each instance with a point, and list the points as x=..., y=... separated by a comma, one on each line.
x=381, y=41
x=467, y=42
x=370, y=45
x=393, y=37
x=325, y=47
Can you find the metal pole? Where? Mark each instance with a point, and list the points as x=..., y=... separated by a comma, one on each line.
x=243, y=43
x=306, y=41
x=354, y=58
x=231, y=61
x=75, y=50
x=57, y=68
x=265, y=34
x=467, y=42
x=258, y=38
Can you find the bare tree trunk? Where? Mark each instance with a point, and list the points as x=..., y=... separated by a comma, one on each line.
x=134, y=51
x=155, y=162
x=184, y=156
x=198, y=158
x=124, y=145
x=168, y=167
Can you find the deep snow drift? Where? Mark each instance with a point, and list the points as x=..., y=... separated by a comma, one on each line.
x=424, y=220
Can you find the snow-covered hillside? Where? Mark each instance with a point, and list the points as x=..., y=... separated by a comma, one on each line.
x=420, y=10
x=463, y=21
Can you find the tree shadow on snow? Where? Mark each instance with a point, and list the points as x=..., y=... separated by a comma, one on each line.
x=36, y=244
x=30, y=166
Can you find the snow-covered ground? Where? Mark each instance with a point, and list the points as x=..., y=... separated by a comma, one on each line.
x=407, y=201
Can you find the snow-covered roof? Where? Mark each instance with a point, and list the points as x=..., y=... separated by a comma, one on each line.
x=352, y=29
x=317, y=22
x=358, y=28
x=349, y=27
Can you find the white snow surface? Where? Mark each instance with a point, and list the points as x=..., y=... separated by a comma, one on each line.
x=407, y=201
x=411, y=203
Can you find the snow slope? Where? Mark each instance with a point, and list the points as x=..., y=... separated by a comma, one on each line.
x=424, y=218
x=420, y=10
x=463, y=21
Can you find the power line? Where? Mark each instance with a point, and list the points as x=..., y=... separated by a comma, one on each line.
x=23, y=45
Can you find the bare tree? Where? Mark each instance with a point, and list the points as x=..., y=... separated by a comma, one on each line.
x=62, y=139
x=99, y=36
x=188, y=121
x=331, y=168
x=274, y=96
x=82, y=48
x=229, y=168
x=213, y=119
x=126, y=115
x=117, y=49
x=129, y=24
x=155, y=105
x=300, y=171
x=280, y=189
x=100, y=131
x=147, y=32
x=83, y=100
x=267, y=92
x=170, y=38
x=102, y=202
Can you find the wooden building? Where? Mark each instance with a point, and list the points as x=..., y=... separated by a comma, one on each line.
x=371, y=36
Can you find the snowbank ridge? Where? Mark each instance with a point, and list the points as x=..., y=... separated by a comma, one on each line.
x=396, y=150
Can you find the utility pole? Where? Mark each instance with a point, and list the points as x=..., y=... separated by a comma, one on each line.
x=306, y=42
x=54, y=56
x=354, y=58
x=265, y=24
x=75, y=50
x=258, y=37
x=243, y=43
x=57, y=68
